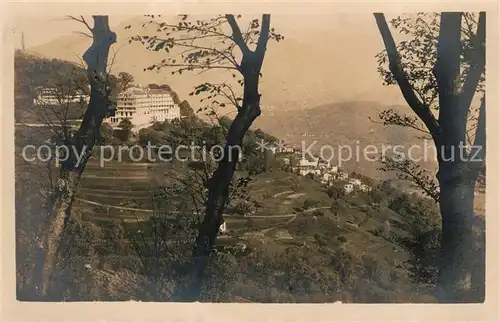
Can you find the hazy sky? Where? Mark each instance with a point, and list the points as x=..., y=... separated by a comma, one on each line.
x=41, y=29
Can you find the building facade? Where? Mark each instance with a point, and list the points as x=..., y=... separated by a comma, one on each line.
x=327, y=178
x=342, y=176
x=144, y=106
x=348, y=188
x=316, y=166
x=306, y=166
x=355, y=182
x=48, y=96
x=365, y=187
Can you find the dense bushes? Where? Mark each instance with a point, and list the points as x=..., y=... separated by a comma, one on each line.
x=310, y=203
x=335, y=191
x=151, y=136
x=421, y=220
x=244, y=208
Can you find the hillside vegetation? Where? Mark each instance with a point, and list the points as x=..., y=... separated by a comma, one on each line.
x=288, y=238
x=300, y=243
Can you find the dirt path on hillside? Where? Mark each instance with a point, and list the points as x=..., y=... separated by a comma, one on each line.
x=125, y=196
x=97, y=190
x=315, y=208
x=114, y=207
x=279, y=225
x=293, y=217
x=282, y=193
x=296, y=195
x=94, y=176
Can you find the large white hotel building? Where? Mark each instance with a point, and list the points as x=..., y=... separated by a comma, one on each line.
x=144, y=106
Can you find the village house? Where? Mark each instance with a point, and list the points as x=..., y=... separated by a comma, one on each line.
x=333, y=169
x=355, y=182
x=365, y=187
x=348, y=188
x=319, y=167
x=276, y=149
x=304, y=171
x=281, y=147
x=323, y=164
x=306, y=167
x=342, y=176
x=327, y=178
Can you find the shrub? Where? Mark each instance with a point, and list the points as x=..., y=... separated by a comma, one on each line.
x=125, y=131
x=310, y=176
x=310, y=203
x=422, y=221
x=335, y=191
x=342, y=239
x=152, y=136
x=318, y=213
x=158, y=126
x=320, y=240
x=106, y=132
x=243, y=208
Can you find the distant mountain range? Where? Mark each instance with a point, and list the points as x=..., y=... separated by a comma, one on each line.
x=349, y=124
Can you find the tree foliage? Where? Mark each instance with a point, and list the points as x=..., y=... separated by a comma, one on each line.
x=418, y=55
x=126, y=80
x=201, y=45
x=204, y=44
x=408, y=170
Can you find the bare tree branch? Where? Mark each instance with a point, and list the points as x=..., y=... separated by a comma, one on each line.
x=478, y=63
x=264, y=35
x=83, y=21
x=237, y=36
x=81, y=33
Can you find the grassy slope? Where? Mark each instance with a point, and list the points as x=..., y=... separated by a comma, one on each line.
x=321, y=236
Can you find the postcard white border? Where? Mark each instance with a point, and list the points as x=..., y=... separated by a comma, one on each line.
x=13, y=310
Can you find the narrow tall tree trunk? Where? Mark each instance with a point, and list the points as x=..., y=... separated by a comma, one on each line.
x=218, y=193
x=461, y=267
x=456, y=180
x=81, y=144
x=59, y=211
x=219, y=183
x=457, y=240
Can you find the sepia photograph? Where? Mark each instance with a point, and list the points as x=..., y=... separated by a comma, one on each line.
x=264, y=158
